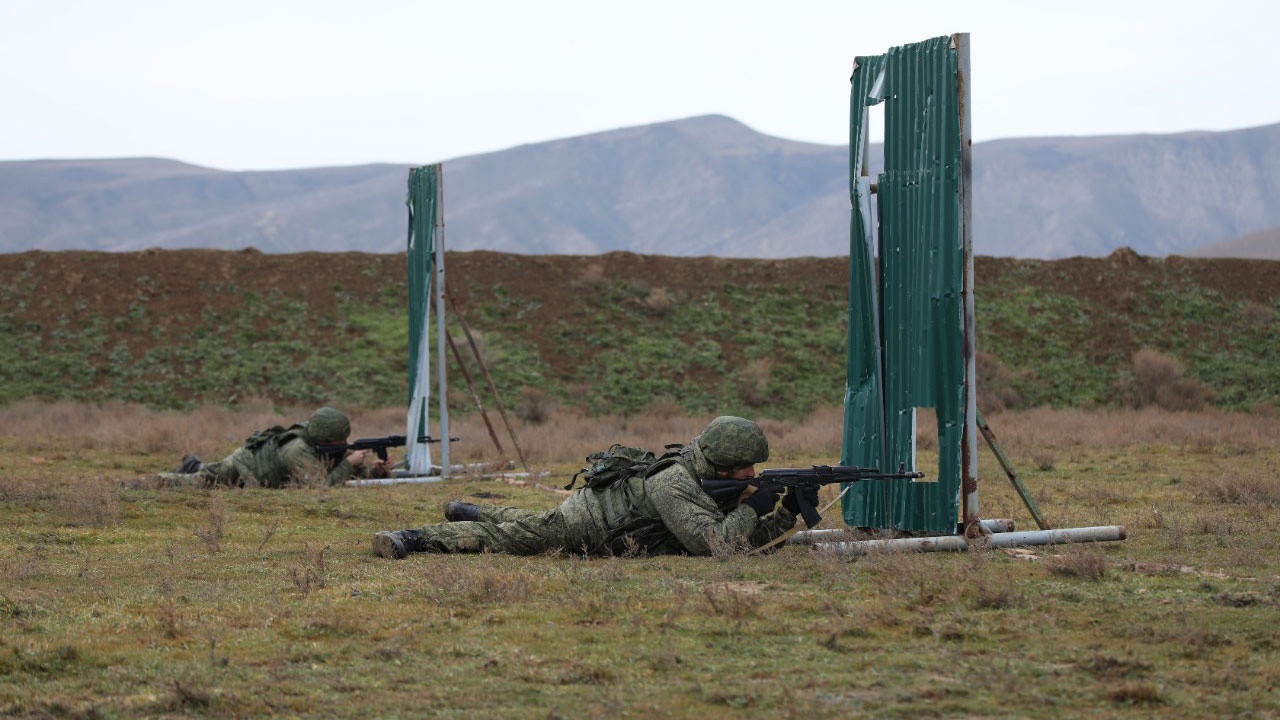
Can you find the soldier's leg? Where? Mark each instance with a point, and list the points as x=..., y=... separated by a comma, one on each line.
x=464, y=511
x=497, y=514
x=227, y=472
x=176, y=480
x=525, y=533
x=230, y=471
x=219, y=473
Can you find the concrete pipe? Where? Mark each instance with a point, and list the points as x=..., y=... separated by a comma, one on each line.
x=957, y=543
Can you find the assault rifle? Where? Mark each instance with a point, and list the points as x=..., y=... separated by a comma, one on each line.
x=801, y=478
x=377, y=444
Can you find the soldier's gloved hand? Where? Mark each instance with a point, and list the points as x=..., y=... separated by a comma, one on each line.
x=763, y=500
x=797, y=496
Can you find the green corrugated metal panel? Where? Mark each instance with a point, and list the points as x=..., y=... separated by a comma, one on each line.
x=907, y=332
x=422, y=199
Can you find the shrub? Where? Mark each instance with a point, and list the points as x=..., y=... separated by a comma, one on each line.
x=1158, y=380
x=534, y=405
x=1152, y=371
x=1256, y=314
x=755, y=377
x=1082, y=562
x=994, y=384
x=659, y=301
x=1136, y=693
x=1256, y=488
x=593, y=278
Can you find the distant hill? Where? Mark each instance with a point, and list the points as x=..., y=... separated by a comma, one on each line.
x=1263, y=245
x=700, y=186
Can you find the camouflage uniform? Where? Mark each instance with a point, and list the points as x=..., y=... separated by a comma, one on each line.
x=665, y=513
x=274, y=458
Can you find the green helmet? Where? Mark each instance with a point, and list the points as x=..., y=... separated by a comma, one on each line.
x=328, y=425
x=732, y=442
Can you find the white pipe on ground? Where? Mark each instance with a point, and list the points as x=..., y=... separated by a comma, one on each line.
x=957, y=543
x=813, y=537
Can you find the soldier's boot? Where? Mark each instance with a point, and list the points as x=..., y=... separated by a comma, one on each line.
x=190, y=464
x=458, y=511
x=395, y=544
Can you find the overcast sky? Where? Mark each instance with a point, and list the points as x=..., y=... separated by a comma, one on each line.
x=272, y=84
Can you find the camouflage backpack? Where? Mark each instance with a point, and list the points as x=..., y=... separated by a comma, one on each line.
x=274, y=434
x=620, y=462
x=270, y=468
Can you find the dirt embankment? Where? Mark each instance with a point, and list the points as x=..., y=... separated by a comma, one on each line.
x=181, y=288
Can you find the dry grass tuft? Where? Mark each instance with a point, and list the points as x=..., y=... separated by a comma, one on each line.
x=216, y=523
x=534, y=406
x=593, y=278
x=310, y=573
x=269, y=533
x=995, y=383
x=1240, y=599
x=187, y=696
x=916, y=580
x=1136, y=693
x=1080, y=561
x=660, y=301
x=492, y=586
x=1257, y=314
x=997, y=595
x=1195, y=641
x=168, y=615
x=1254, y=488
x=92, y=501
x=484, y=579
x=1044, y=461
x=1108, y=667
x=1158, y=380
x=754, y=378
x=734, y=602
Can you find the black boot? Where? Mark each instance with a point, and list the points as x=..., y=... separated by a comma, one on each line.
x=395, y=544
x=190, y=464
x=458, y=511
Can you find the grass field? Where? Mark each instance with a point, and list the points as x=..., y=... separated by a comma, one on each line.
x=118, y=600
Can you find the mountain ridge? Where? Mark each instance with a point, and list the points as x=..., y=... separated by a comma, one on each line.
x=707, y=185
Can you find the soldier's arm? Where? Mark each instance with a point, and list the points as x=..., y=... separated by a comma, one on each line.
x=344, y=471
x=304, y=464
x=695, y=520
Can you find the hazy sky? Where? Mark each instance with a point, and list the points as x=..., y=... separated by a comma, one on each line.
x=270, y=84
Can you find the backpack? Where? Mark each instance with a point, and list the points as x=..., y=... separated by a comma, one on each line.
x=620, y=462
x=269, y=466
x=261, y=437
